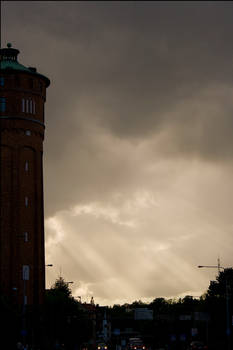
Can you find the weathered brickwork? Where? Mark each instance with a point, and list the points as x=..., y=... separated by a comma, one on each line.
x=21, y=175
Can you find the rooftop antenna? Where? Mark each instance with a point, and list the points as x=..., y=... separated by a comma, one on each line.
x=219, y=265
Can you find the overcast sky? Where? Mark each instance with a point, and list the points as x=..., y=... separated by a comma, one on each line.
x=138, y=154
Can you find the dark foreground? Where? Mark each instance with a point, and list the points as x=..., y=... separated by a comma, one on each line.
x=65, y=323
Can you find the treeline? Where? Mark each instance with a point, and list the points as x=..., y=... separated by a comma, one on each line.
x=64, y=320
x=176, y=322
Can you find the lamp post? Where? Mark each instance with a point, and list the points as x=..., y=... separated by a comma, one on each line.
x=228, y=327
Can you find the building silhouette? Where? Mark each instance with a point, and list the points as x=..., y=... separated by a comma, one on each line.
x=22, y=253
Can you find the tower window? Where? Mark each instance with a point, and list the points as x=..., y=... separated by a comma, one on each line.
x=30, y=106
x=27, y=106
x=1, y=81
x=26, y=201
x=26, y=166
x=25, y=236
x=26, y=272
x=28, y=132
x=23, y=105
x=2, y=104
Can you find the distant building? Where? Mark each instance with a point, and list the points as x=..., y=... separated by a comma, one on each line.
x=22, y=254
x=143, y=314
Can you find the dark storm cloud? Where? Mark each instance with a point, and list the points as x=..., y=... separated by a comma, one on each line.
x=138, y=71
x=136, y=64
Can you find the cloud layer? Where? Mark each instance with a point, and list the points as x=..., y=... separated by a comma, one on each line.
x=139, y=141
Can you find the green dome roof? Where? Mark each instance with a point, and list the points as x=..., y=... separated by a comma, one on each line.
x=9, y=62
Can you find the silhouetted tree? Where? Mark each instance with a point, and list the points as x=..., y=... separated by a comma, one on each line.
x=61, y=286
x=66, y=320
x=219, y=303
x=217, y=289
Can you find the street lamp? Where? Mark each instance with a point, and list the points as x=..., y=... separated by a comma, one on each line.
x=228, y=330
x=211, y=266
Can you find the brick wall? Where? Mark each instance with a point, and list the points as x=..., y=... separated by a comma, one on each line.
x=21, y=175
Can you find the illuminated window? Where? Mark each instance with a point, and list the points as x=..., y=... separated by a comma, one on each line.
x=26, y=201
x=28, y=132
x=1, y=81
x=2, y=104
x=26, y=166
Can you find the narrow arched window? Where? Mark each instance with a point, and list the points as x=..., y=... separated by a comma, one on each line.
x=30, y=106
x=27, y=106
x=26, y=271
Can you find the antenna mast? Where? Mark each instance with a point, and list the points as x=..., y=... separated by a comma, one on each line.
x=219, y=265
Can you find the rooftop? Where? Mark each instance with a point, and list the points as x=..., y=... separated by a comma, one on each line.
x=9, y=61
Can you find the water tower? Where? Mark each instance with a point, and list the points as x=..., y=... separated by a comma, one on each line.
x=22, y=126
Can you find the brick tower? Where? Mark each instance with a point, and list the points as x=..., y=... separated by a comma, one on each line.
x=22, y=256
